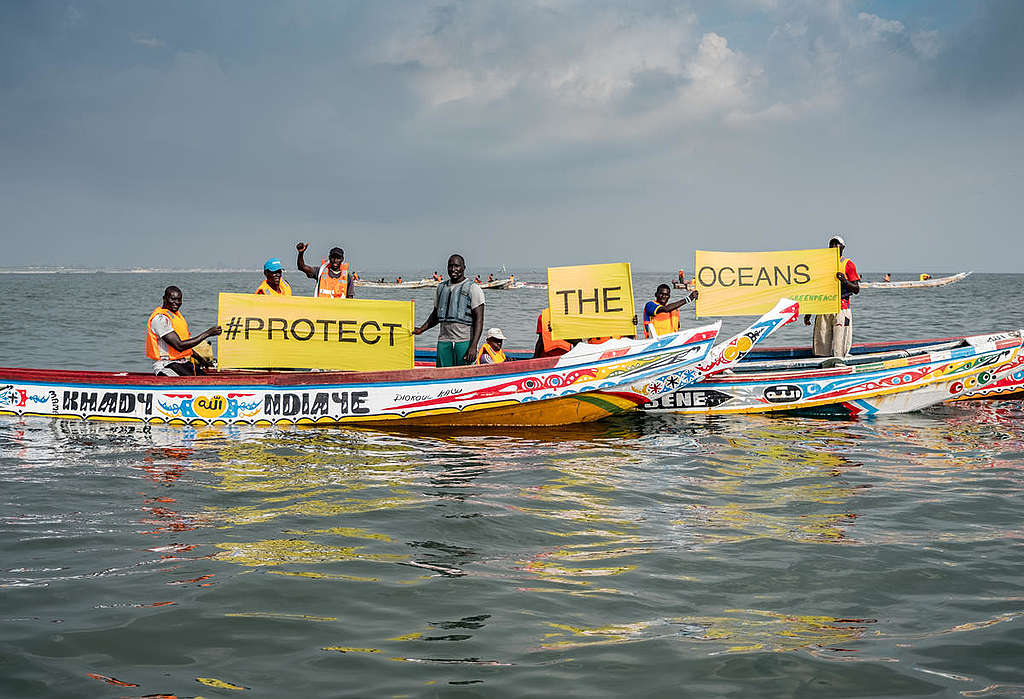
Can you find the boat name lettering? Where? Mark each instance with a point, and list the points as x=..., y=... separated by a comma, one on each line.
x=319, y=403
x=688, y=399
x=783, y=393
x=746, y=276
x=410, y=398
x=447, y=392
x=110, y=402
x=369, y=332
x=602, y=300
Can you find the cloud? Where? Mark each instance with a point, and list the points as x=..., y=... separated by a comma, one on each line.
x=148, y=41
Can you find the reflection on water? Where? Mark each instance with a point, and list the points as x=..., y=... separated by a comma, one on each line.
x=471, y=556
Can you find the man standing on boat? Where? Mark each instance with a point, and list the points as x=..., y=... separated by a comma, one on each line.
x=333, y=279
x=664, y=316
x=274, y=285
x=833, y=332
x=168, y=341
x=459, y=309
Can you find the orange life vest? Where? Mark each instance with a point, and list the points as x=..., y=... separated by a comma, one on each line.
x=180, y=326
x=265, y=288
x=552, y=347
x=329, y=287
x=664, y=323
x=497, y=356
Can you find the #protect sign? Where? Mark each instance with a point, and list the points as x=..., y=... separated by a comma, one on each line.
x=294, y=332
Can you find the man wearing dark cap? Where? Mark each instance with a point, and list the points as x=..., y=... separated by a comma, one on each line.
x=333, y=279
x=833, y=332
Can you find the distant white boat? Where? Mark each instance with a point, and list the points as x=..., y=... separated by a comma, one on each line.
x=917, y=283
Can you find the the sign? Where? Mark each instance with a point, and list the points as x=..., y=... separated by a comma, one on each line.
x=751, y=283
x=591, y=301
x=299, y=332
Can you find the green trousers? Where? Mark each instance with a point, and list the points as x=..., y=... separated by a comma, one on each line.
x=451, y=353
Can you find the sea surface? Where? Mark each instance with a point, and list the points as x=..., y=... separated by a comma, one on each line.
x=662, y=555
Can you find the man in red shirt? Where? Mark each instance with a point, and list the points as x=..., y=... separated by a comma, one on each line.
x=833, y=332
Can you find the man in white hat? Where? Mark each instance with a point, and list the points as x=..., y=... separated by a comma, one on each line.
x=833, y=332
x=491, y=352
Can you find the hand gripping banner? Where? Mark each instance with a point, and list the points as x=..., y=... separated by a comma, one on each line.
x=295, y=332
x=750, y=283
x=591, y=301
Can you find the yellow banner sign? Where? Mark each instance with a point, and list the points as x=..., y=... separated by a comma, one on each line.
x=591, y=301
x=293, y=332
x=751, y=283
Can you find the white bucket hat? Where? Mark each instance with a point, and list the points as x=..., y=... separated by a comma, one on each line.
x=838, y=239
x=496, y=334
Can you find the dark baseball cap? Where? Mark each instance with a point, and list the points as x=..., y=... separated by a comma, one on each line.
x=336, y=252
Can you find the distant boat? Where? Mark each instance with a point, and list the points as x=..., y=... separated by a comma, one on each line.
x=916, y=283
x=411, y=284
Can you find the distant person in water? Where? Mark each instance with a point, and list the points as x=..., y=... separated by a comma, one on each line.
x=459, y=309
x=833, y=332
x=273, y=283
x=477, y=279
x=887, y=277
x=333, y=279
x=168, y=341
x=490, y=277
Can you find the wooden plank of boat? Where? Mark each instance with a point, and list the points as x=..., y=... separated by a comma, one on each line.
x=916, y=283
x=879, y=385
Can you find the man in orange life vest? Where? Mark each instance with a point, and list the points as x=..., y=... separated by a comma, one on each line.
x=833, y=332
x=274, y=285
x=333, y=279
x=168, y=341
x=546, y=345
x=664, y=316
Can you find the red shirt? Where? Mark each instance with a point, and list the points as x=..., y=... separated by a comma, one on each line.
x=850, y=270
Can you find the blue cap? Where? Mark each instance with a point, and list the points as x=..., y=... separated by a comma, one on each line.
x=272, y=265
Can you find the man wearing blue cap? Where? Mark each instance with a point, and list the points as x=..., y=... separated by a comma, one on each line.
x=274, y=285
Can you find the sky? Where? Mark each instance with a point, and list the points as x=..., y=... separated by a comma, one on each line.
x=189, y=134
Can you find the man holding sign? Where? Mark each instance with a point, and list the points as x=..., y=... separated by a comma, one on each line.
x=664, y=316
x=833, y=332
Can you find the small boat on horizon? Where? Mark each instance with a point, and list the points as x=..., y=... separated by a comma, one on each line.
x=916, y=283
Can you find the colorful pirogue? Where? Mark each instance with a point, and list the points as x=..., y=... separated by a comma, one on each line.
x=881, y=382
x=588, y=383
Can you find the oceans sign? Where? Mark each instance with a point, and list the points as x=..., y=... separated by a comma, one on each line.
x=750, y=283
x=310, y=333
x=591, y=301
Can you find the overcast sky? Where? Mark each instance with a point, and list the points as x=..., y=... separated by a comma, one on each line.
x=527, y=132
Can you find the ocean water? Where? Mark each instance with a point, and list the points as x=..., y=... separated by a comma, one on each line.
x=650, y=555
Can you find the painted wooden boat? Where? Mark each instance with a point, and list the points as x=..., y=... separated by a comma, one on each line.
x=872, y=383
x=916, y=283
x=589, y=383
x=498, y=283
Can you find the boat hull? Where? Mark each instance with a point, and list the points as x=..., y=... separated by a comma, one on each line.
x=886, y=387
x=582, y=386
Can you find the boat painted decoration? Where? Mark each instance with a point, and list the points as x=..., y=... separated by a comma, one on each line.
x=589, y=383
x=916, y=283
x=887, y=386
x=535, y=392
